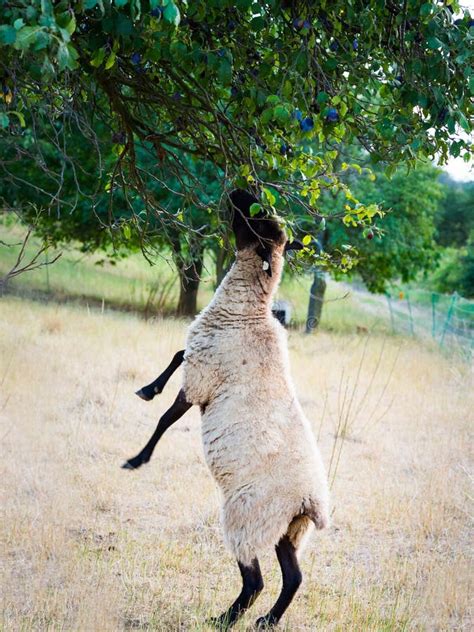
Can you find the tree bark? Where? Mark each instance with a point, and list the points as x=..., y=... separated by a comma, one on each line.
x=316, y=299
x=189, y=277
x=222, y=265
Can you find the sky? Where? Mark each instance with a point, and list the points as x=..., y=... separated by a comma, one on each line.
x=456, y=167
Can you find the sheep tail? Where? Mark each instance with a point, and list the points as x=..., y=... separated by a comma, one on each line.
x=313, y=514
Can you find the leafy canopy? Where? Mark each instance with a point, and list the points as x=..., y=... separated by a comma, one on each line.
x=403, y=243
x=267, y=92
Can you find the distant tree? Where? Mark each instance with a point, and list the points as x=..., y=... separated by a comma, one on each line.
x=455, y=219
x=82, y=211
x=466, y=286
x=266, y=92
x=400, y=244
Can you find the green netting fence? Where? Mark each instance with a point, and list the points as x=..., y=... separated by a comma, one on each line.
x=448, y=320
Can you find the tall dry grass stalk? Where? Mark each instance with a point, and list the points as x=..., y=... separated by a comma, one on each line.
x=88, y=546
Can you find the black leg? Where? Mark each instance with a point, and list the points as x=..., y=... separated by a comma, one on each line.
x=292, y=578
x=174, y=413
x=251, y=588
x=148, y=392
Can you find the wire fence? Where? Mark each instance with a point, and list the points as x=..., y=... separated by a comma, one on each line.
x=446, y=319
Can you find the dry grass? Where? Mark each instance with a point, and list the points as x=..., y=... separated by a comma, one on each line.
x=88, y=546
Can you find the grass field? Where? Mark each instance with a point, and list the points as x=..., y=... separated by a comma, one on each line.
x=134, y=285
x=87, y=546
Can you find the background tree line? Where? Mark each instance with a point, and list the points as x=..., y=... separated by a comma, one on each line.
x=124, y=125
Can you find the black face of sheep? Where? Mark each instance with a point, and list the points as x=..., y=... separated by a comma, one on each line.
x=259, y=230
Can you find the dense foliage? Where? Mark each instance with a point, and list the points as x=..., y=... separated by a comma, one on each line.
x=405, y=243
x=455, y=232
x=266, y=92
x=455, y=219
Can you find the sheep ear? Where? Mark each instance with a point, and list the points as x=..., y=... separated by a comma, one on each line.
x=293, y=245
x=265, y=255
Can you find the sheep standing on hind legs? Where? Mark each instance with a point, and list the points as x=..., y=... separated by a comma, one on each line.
x=257, y=442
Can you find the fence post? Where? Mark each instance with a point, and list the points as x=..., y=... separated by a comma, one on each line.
x=448, y=318
x=392, y=322
x=434, y=300
x=412, y=328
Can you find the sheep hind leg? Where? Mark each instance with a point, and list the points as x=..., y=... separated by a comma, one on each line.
x=292, y=578
x=252, y=586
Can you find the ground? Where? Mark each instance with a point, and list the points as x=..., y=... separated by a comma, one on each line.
x=89, y=546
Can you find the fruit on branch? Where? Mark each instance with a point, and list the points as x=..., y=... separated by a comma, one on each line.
x=307, y=124
x=332, y=115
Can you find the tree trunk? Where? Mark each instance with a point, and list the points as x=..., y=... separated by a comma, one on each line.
x=316, y=299
x=222, y=265
x=189, y=277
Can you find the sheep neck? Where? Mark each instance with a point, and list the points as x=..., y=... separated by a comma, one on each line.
x=247, y=290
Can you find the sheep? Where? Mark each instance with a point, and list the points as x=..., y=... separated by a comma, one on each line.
x=257, y=441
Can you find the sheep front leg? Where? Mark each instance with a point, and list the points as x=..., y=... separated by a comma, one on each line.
x=177, y=410
x=148, y=392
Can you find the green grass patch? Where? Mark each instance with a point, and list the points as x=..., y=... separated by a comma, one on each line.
x=132, y=284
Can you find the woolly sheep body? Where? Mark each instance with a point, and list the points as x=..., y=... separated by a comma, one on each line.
x=257, y=442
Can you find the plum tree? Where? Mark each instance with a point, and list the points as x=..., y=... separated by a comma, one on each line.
x=222, y=82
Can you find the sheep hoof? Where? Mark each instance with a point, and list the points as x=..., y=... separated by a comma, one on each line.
x=265, y=623
x=135, y=463
x=144, y=395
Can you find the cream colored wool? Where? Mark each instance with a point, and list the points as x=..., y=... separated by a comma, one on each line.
x=257, y=442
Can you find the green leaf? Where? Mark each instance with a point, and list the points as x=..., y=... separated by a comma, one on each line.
x=127, y=233
x=67, y=56
x=270, y=197
x=30, y=13
x=425, y=9
x=4, y=120
x=63, y=57
x=98, y=57
x=225, y=71
x=306, y=240
x=71, y=25
x=266, y=115
x=434, y=42
x=254, y=209
x=171, y=14
x=390, y=170
x=20, y=117
x=110, y=61
x=281, y=114
x=42, y=41
x=18, y=24
x=7, y=35
x=122, y=3
x=26, y=36
x=463, y=122
x=272, y=99
x=47, y=68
